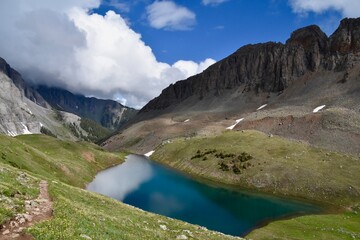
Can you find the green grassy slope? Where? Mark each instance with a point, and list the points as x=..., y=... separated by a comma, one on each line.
x=321, y=227
x=70, y=162
x=78, y=214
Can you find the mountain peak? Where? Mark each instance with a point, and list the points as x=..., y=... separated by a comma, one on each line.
x=310, y=37
x=346, y=38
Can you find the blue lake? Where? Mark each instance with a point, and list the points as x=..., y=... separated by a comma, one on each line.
x=155, y=188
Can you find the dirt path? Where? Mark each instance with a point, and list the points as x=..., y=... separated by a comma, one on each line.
x=37, y=210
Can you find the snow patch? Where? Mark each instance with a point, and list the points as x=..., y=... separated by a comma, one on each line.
x=41, y=125
x=236, y=123
x=25, y=130
x=187, y=120
x=11, y=134
x=29, y=111
x=318, y=108
x=149, y=154
x=239, y=120
x=261, y=107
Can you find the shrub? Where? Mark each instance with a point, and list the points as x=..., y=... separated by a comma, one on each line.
x=199, y=154
x=236, y=168
x=210, y=152
x=243, y=157
x=224, y=166
x=196, y=156
x=46, y=131
x=224, y=155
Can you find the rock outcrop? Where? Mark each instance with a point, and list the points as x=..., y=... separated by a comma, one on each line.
x=346, y=39
x=269, y=67
x=15, y=114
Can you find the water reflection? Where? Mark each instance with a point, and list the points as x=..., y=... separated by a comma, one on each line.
x=152, y=187
x=117, y=182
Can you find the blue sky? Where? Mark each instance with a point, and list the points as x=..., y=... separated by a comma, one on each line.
x=221, y=29
x=130, y=50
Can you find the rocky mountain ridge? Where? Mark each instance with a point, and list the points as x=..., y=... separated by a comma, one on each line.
x=270, y=67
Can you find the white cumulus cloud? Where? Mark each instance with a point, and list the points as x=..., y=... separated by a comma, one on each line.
x=170, y=16
x=348, y=8
x=213, y=2
x=63, y=44
x=190, y=68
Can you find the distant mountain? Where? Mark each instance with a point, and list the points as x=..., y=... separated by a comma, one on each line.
x=24, y=110
x=108, y=113
x=271, y=87
x=26, y=90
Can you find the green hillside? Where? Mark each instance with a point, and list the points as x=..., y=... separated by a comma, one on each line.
x=77, y=214
x=67, y=161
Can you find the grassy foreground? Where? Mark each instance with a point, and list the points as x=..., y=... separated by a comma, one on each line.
x=78, y=214
x=253, y=160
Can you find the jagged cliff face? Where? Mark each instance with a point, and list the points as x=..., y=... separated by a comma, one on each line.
x=15, y=114
x=23, y=110
x=291, y=80
x=346, y=39
x=108, y=113
x=270, y=67
x=19, y=104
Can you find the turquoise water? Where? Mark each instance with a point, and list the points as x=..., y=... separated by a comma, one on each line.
x=155, y=188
